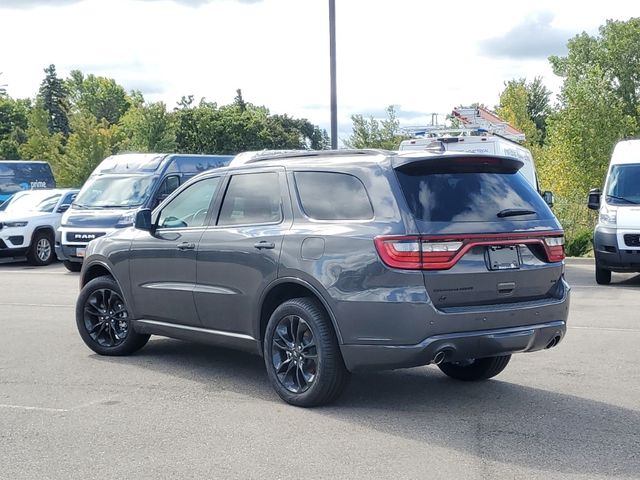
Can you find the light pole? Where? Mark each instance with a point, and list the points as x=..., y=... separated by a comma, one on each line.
x=332, y=60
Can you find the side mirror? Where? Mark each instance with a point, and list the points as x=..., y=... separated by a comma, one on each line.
x=143, y=220
x=593, y=201
x=63, y=208
x=548, y=198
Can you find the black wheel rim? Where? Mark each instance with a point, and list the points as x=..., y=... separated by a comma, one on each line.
x=294, y=354
x=106, y=318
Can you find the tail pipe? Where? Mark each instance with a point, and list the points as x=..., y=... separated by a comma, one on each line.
x=554, y=341
x=440, y=357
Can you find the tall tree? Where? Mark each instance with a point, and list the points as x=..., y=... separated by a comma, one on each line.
x=514, y=109
x=149, y=128
x=53, y=97
x=598, y=105
x=373, y=133
x=13, y=126
x=40, y=144
x=100, y=96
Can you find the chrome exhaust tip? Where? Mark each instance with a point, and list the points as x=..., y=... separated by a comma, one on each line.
x=439, y=358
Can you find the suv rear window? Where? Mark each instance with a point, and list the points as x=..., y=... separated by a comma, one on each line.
x=469, y=196
x=333, y=196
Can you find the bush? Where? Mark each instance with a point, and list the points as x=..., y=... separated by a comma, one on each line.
x=579, y=243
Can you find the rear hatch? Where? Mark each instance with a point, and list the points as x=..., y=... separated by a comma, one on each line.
x=484, y=235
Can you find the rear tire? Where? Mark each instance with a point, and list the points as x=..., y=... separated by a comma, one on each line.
x=302, y=356
x=478, y=369
x=603, y=276
x=103, y=319
x=41, y=250
x=72, y=266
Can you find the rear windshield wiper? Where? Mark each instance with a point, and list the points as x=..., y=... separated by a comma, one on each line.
x=514, y=212
x=623, y=199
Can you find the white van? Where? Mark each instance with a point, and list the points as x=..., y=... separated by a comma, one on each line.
x=488, y=144
x=616, y=240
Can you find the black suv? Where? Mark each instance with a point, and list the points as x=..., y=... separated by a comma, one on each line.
x=326, y=263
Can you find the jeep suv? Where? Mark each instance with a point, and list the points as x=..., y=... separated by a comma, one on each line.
x=327, y=263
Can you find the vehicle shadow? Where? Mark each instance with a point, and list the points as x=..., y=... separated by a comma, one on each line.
x=494, y=420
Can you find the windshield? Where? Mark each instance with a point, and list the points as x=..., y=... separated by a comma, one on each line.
x=623, y=186
x=114, y=191
x=34, y=201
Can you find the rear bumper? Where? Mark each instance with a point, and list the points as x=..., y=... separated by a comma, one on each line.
x=610, y=255
x=455, y=346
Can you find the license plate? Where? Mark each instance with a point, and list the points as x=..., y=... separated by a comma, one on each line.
x=80, y=252
x=504, y=258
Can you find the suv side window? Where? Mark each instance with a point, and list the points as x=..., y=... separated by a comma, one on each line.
x=190, y=207
x=333, y=196
x=252, y=198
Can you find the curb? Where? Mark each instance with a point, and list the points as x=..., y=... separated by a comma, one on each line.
x=580, y=260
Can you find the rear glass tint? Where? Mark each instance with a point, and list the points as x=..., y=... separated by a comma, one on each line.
x=470, y=197
x=333, y=196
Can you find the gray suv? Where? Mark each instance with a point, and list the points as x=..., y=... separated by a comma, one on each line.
x=327, y=263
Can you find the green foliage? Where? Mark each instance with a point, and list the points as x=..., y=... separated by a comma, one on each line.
x=579, y=244
x=373, y=133
x=241, y=126
x=149, y=128
x=100, y=96
x=40, y=144
x=514, y=109
x=90, y=143
x=53, y=98
x=13, y=126
x=526, y=107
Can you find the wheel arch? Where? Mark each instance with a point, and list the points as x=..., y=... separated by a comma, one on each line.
x=284, y=289
x=46, y=229
x=99, y=268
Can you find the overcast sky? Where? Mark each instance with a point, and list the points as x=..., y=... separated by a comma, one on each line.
x=410, y=53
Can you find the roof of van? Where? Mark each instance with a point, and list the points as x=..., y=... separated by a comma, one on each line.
x=627, y=151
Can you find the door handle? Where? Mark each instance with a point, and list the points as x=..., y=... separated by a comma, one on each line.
x=186, y=246
x=265, y=245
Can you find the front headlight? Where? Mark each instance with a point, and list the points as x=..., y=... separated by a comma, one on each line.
x=126, y=220
x=608, y=216
x=14, y=224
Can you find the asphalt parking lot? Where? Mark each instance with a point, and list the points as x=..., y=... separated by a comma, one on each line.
x=183, y=410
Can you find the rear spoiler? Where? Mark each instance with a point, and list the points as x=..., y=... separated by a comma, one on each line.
x=463, y=163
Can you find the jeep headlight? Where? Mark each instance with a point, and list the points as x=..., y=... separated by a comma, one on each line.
x=126, y=220
x=15, y=224
x=608, y=216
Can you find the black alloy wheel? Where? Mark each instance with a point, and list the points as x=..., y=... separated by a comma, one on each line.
x=294, y=354
x=104, y=321
x=302, y=355
x=106, y=318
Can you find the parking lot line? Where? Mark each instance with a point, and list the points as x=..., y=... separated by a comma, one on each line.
x=40, y=409
x=48, y=305
x=609, y=329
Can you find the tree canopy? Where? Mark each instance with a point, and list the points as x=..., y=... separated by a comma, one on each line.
x=76, y=122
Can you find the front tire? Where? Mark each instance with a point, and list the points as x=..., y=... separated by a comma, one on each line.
x=41, y=250
x=475, y=369
x=72, y=266
x=302, y=356
x=603, y=276
x=103, y=319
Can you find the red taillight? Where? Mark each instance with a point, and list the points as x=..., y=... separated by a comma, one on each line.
x=417, y=252
x=400, y=252
x=555, y=248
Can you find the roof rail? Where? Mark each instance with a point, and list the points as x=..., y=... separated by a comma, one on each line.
x=264, y=155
